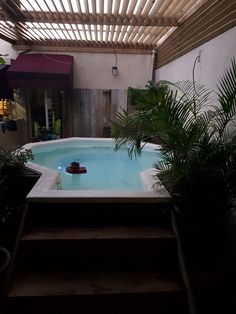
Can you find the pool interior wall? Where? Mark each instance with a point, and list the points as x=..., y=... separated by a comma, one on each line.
x=48, y=189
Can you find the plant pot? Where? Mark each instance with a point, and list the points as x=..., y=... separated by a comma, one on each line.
x=5, y=257
x=35, y=139
x=13, y=169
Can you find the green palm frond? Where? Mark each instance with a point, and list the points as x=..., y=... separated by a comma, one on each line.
x=224, y=120
x=197, y=159
x=227, y=98
x=227, y=88
x=195, y=95
x=129, y=132
x=145, y=99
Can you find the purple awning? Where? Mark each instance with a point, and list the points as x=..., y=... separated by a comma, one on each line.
x=41, y=71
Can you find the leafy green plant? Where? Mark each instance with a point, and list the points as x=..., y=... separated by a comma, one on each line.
x=58, y=127
x=56, y=124
x=36, y=129
x=2, y=61
x=132, y=131
x=198, y=143
x=14, y=157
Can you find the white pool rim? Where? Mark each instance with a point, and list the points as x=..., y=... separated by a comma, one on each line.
x=47, y=189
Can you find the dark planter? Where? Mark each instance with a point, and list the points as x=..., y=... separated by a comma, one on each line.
x=5, y=257
x=45, y=134
x=10, y=226
x=204, y=238
x=35, y=139
x=13, y=169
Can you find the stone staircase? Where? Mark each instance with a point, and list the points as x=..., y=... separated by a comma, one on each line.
x=97, y=258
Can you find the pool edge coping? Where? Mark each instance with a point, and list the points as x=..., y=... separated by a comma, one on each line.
x=42, y=191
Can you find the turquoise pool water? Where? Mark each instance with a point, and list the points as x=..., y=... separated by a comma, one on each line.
x=106, y=169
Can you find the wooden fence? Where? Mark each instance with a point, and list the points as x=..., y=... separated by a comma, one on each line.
x=93, y=110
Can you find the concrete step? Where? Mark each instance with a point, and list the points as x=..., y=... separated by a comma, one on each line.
x=96, y=292
x=97, y=258
x=74, y=248
x=98, y=233
x=94, y=214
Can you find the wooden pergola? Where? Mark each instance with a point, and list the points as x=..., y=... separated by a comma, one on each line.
x=120, y=24
x=126, y=26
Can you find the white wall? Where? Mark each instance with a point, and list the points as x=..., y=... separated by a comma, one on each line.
x=5, y=48
x=215, y=57
x=94, y=70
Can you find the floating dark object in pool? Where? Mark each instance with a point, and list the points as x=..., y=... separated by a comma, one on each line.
x=75, y=168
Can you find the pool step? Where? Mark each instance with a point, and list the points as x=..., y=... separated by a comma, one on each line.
x=83, y=247
x=87, y=258
x=48, y=215
x=96, y=292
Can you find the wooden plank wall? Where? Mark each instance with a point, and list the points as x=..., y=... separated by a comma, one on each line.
x=212, y=19
x=93, y=110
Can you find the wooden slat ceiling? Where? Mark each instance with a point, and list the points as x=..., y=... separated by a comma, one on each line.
x=128, y=26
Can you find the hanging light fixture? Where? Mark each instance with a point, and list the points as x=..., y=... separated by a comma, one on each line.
x=115, y=68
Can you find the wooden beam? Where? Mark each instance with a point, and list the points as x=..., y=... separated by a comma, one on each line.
x=13, y=14
x=116, y=7
x=109, y=8
x=9, y=40
x=124, y=8
x=157, y=5
x=98, y=19
x=121, y=50
x=131, y=7
x=147, y=8
x=79, y=6
x=138, y=35
x=94, y=8
x=118, y=30
x=107, y=34
x=140, y=7
x=191, y=11
x=11, y=10
x=101, y=6
x=112, y=33
x=123, y=32
x=177, y=6
x=132, y=35
x=86, y=7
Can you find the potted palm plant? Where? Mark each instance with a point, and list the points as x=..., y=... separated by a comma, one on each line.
x=198, y=167
x=198, y=144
